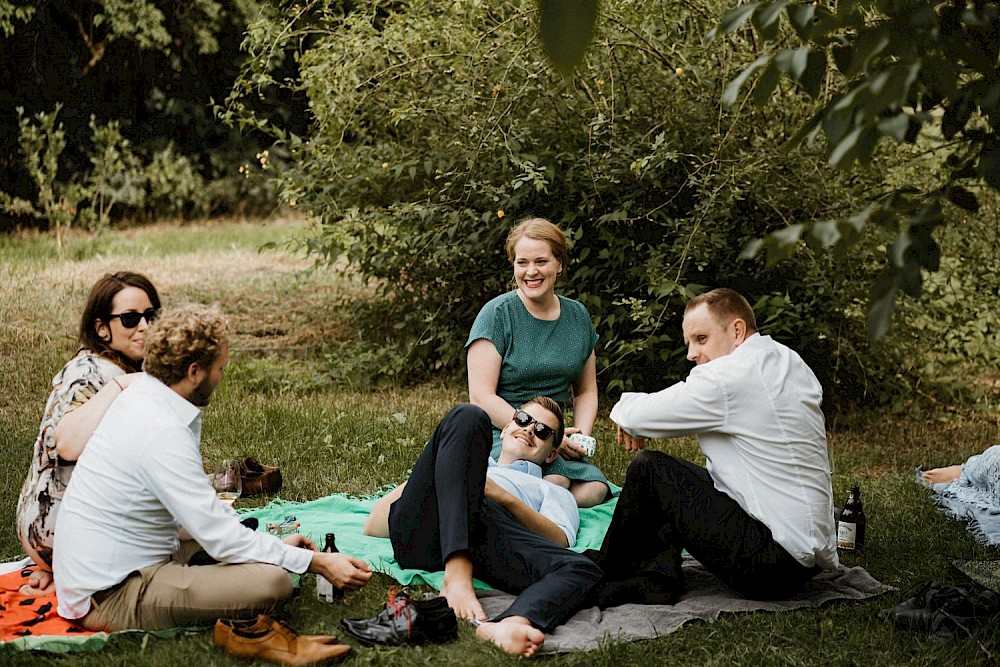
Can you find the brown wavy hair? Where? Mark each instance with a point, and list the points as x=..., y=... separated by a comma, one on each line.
x=539, y=229
x=193, y=334
x=98, y=308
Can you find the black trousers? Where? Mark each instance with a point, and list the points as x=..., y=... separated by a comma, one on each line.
x=669, y=504
x=443, y=511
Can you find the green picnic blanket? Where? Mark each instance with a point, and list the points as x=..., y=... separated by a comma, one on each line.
x=345, y=517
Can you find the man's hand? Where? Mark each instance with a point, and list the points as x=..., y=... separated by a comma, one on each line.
x=343, y=571
x=631, y=443
x=299, y=540
x=568, y=449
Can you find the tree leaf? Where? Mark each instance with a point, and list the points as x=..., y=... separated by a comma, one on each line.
x=882, y=304
x=814, y=72
x=895, y=126
x=962, y=198
x=801, y=17
x=989, y=167
x=765, y=21
x=732, y=90
x=734, y=18
x=766, y=84
x=567, y=27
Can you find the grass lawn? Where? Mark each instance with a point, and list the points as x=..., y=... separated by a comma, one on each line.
x=281, y=403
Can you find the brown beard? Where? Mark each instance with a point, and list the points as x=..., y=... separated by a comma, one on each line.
x=201, y=394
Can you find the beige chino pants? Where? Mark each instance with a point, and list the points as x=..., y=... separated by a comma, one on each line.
x=174, y=594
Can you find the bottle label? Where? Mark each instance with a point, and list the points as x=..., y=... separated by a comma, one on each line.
x=324, y=588
x=847, y=535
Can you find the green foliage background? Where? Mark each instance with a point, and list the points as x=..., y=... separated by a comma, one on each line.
x=126, y=90
x=438, y=125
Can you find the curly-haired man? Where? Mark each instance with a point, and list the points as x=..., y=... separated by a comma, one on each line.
x=120, y=555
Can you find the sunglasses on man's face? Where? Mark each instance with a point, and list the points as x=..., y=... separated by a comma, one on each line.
x=131, y=319
x=523, y=419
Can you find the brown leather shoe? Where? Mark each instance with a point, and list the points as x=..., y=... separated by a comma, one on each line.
x=269, y=639
x=259, y=479
x=263, y=623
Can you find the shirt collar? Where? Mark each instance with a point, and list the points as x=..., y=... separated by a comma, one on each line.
x=521, y=465
x=186, y=411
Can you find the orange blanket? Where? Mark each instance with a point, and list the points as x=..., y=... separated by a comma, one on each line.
x=25, y=615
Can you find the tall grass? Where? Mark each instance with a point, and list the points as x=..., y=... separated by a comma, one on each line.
x=280, y=402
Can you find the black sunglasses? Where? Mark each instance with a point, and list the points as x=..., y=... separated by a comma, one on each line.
x=543, y=431
x=130, y=320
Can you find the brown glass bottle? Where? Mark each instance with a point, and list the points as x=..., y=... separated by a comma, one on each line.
x=325, y=590
x=852, y=524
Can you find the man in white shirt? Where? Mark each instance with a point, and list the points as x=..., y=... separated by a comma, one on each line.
x=465, y=514
x=760, y=516
x=119, y=560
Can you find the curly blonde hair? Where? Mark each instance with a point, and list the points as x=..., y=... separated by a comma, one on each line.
x=192, y=334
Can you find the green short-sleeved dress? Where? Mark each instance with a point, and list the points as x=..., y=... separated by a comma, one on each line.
x=539, y=358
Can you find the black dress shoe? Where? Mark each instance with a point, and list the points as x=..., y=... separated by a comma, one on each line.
x=405, y=621
x=944, y=612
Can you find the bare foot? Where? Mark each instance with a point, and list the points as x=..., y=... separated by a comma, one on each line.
x=462, y=599
x=39, y=583
x=514, y=634
x=942, y=475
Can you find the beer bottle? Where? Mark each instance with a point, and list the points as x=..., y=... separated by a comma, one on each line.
x=325, y=590
x=851, y=527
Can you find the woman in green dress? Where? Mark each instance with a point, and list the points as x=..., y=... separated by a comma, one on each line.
x=533, y=342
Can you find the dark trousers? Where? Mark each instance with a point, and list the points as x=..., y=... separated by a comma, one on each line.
x=443, y=511
x=669, y=504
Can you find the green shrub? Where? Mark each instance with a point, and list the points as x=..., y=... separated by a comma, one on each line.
x=438, y=126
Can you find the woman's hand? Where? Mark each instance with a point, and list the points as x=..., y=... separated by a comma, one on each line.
x=569, y=449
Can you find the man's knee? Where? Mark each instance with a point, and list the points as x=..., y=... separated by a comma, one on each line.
x=646, y=463
x=468, y=413
x=472, y=422
x=271, y=584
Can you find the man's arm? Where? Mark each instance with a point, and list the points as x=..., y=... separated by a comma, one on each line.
x=525, y=515
x=694, y=406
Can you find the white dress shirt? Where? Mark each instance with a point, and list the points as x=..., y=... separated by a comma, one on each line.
x=138, y=481
x=756, y=413
x=524, y=480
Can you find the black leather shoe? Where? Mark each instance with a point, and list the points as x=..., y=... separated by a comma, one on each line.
x=944, y=611
x=405, y=621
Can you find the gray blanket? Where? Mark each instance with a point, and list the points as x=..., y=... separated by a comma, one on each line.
x=705, y=599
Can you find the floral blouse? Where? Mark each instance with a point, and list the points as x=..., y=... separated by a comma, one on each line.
x=45, y=484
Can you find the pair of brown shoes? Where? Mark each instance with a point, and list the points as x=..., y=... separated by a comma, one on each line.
x=265, y=638
x=259, y=479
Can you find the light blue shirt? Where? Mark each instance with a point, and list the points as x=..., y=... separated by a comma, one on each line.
x=523, y=479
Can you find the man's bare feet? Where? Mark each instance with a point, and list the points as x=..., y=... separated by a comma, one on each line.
x=39, y=583
x=514, y=634
x=942, y=475
x=462, y=599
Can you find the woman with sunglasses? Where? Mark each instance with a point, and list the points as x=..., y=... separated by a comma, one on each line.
x=112, y=338
x=533, y=342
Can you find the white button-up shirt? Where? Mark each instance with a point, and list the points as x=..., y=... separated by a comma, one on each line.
x=756, y=413
x=138, y=481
